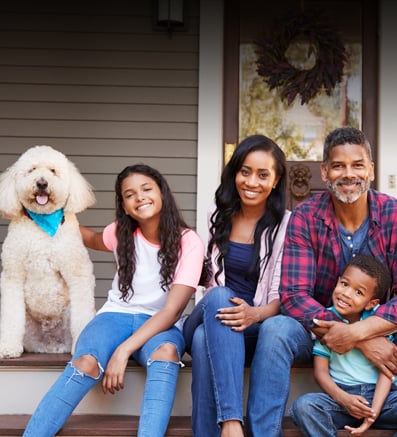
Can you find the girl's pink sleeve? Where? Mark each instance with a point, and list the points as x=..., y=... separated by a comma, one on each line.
x=191, y=262
x=109, y=236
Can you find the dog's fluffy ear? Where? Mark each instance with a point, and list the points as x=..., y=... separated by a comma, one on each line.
x=10, y=206
x=81, y=194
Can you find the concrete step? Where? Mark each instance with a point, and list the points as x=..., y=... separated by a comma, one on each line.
x=25, y=380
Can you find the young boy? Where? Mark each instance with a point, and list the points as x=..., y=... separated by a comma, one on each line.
x=353, y=387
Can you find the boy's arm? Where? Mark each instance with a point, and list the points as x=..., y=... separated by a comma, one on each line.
x=382, y=389
x=356, y=406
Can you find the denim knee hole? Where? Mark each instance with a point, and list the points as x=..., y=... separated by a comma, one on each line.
x=178, y=363
x=80, y=373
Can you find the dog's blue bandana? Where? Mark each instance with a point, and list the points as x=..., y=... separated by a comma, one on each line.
x=48, y=222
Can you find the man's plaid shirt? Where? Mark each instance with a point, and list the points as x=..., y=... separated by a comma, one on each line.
x=312, y=256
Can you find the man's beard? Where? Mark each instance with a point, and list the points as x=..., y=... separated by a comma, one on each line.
x=348, y=198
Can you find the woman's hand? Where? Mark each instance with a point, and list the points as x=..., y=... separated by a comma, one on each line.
x=113, y=378
x=240, y=316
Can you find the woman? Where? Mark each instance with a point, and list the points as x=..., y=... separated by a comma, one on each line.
x=159, y=262
x=247, y=232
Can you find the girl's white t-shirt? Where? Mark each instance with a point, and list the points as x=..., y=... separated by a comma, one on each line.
x=149, y=297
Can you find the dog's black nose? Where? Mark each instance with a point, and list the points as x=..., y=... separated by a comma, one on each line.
x=42, y=184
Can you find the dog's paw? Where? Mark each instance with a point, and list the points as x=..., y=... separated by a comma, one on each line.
x=8, y=351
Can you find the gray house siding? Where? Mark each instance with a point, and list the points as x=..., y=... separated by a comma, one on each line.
x=98, y=84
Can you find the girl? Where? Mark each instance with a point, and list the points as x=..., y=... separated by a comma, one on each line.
x=159, y=262
x=247, y=232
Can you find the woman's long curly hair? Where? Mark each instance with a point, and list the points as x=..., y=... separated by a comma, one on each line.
x=228, y=203
x=171, y=226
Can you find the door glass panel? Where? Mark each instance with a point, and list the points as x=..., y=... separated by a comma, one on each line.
x=294, y=39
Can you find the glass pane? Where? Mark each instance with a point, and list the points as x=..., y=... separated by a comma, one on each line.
x=299, y=128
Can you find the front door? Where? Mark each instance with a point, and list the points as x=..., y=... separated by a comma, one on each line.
x=293, y=45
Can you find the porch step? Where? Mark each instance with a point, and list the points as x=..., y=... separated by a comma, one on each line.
x=90, y=425
x=26, y=379
x=95, y=425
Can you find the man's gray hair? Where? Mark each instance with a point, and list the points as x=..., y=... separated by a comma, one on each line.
x=345, y=135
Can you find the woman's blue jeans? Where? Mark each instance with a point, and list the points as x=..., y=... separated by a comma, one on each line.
x=219, y=355
x=100, y=338
x=317, y=414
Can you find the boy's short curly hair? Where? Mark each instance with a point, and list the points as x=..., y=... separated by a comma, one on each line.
x=375, y=269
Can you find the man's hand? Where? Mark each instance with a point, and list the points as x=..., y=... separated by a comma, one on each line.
x=379, y=350
x=339, y=337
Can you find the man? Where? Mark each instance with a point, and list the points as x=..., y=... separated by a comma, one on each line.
x=322, y=235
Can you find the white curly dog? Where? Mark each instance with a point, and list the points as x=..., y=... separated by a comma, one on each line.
x=47, y=281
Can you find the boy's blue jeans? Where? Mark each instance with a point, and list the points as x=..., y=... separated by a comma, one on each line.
x=317, y=414
x=100, y=338
x=219, y=355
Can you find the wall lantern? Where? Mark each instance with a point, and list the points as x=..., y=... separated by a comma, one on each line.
x=169, y=15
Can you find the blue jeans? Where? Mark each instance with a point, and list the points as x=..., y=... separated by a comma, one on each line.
x=100, y=338
x=219, y=356
x=317, y=414
x=282, y=342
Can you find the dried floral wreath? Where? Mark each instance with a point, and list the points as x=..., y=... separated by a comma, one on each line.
x=278, y=72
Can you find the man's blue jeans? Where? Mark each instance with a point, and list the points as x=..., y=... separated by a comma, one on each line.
x=317, y=414
x=100, y=338
x=282, y=342
x=219, y=355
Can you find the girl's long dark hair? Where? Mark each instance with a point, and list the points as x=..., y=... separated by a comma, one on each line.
x=228, y=203
x=171, y=227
